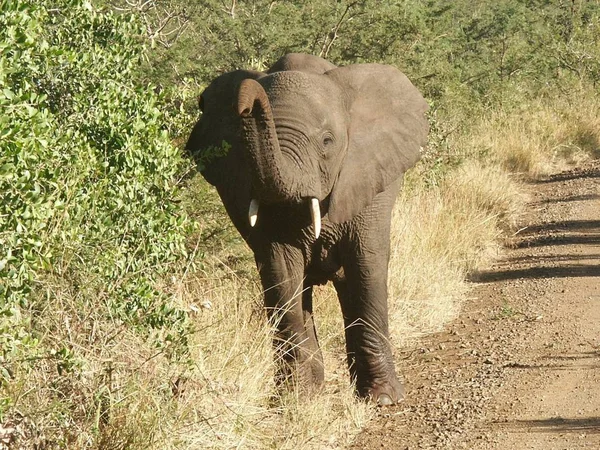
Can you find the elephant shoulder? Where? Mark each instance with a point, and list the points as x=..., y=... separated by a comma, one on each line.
x=301, y=62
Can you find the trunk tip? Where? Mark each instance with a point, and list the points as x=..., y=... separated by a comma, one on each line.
x=250, y=91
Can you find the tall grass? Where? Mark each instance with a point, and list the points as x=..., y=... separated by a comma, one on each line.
x=546, y=137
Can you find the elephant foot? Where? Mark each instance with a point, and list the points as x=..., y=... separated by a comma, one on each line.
x=384, y=394
x=306, y=377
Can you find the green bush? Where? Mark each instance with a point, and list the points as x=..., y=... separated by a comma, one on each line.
x=88, y=174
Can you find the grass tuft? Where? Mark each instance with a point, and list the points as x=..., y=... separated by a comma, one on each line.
x=547, y=137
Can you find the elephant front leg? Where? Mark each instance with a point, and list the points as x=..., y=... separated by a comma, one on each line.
x=288, y=301
x=362, y=290
x=370, y=361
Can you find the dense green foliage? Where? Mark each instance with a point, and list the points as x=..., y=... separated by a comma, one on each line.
x=463, y=51
x=87, y=172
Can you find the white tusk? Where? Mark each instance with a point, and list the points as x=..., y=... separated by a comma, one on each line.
x=315, y=212
x=253, y=212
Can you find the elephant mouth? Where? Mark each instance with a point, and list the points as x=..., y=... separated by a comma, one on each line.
x=315, y=214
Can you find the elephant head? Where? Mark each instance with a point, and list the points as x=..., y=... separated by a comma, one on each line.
x=307, y=131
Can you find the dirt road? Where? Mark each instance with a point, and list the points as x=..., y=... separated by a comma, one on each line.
x=520, y=369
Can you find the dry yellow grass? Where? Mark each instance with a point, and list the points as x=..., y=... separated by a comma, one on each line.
x=438, y=235
x=547, y=137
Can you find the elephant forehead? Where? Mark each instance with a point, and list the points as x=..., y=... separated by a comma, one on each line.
x=286, y=86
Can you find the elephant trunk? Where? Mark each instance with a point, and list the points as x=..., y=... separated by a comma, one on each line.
x=274, y=177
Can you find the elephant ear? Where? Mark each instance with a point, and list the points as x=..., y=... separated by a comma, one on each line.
x=220, y=124
x=387, y=130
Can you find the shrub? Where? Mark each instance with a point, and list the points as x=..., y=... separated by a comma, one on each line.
x=88, y=182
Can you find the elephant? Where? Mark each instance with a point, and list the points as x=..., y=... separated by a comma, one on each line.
x=308, y=159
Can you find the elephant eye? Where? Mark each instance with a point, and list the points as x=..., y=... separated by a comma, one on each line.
x=327, y=139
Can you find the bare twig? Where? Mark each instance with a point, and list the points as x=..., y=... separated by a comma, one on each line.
x=164, y=23
x=333, y=34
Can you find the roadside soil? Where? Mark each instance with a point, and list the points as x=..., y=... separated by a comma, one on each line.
x=520, y=368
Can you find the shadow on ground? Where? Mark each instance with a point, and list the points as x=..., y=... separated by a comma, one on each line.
x=589, y=360
x=557, y=265
x=550, y=259
x=573, y=198
x=564, y=225
x=579, y=270
x=587, y=425
x=592, y=172
x=553, y=240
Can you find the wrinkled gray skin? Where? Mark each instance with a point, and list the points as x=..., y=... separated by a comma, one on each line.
x=306, y=129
